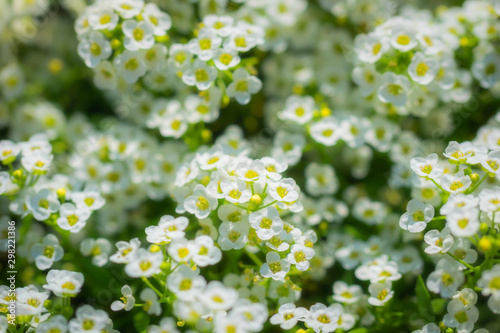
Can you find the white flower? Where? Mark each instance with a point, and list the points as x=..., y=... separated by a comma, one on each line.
x=222, y=25
x=346, y=294
x=427, y=167
x=226, y=58
x=200, y=203
x=128, y=8
x=243, y=86
x=130, y=65
x=459, y=202
x=287, y=147
x=491, y=163
x=103, y=19
x=299, y=256
x=186, y=283
x=94, y=49
x=446, y=279
x=138, y=35
x=219, y=297
x=182, y=250
x=166, y=325
x=417, y=216
x=429, y=328
x=266, y=222
x=370, y=48
x=233, y=235
x=159, y=21
x=274, y=267
x=298, y=109
x=37, y=161
x=403, y=37
x=460, y=317
x=455, y=183
x=288, y=316
x=151, y=304
x=127, y=301
x=487, y=69
x=367, y=78
x=89, y=197
x=88, y=320
x=168, y=229
x=126, y=251
x=438, y=241
x=99, y=249
x=205, y=44
x=323, y=319
x=64, y=283
x=73, y=218
x=489, y=200
x=206, y=252
x=105, y=76
x=464, y=152
x=463, y=223
x=321, y=179
x=380, y=293
x=423, y=69
x=11, y=81
x=55, y=323
x=283, y=190
x=8, y=151
x=42, y=203
x=47, y=252
x=394, y=89
x=200, y=75
x=144, y=263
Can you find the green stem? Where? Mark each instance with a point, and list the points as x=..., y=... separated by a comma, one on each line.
x=150, y=285
x=472, y=189
x=460, y=260
x=439, y=186
x=254, y=258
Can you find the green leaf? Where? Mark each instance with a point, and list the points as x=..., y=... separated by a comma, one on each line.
x=423, y=300
x=141, y=321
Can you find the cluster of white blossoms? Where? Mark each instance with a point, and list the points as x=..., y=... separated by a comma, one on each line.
x=56, y=199
x=412, y=61
x=464, y=188
x=245, y=200
x=250, y=166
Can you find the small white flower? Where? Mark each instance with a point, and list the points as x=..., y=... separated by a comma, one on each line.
x=219, y=297
x=159, y=21
x=427, y=167
x=233, y=235
x=205, y=44
x=42, y=204
x=394, y=89
x=446, y=279
x=288, y=316
x=126, y=302
x=266, y=222
x=456, y=183
x=380, y=293
x=322, y=318
x=283, y=190
x=99, y=249
x=423, y=69
x=206, y=252
x=299, y=256
x=73, y=218
x=138, y=35
x=64, y=283
x=151, y=304
x=89, y=320
x=226, y=58
x=47, y=252
x=144, y=263
x=168, y=229
x=463, y=223
x=417, y=216
x=130, y=65
x=200, y=203
x=94, y=49
x=243, y=86
x=200, y=75
x=274, y=267
x=438, y=241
